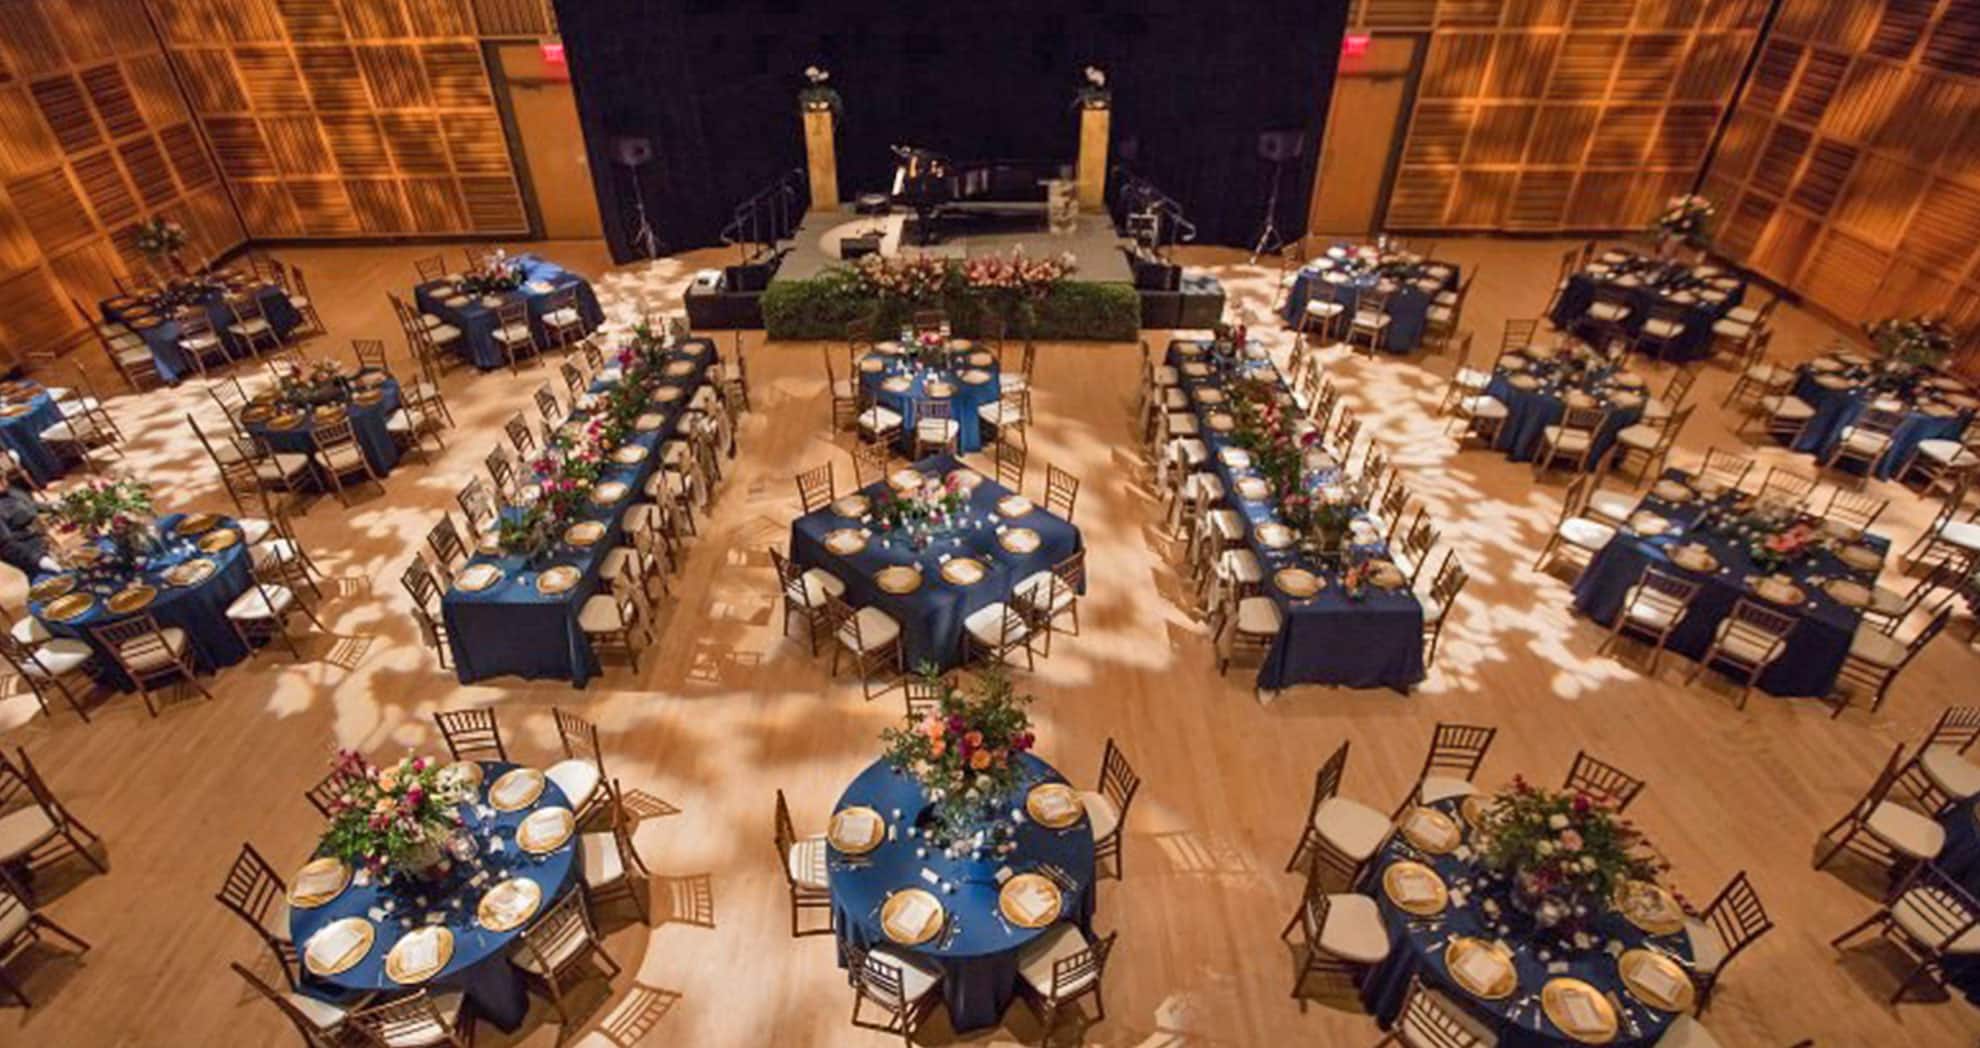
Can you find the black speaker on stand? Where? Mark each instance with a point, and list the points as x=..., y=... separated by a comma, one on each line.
x=1276, y=147
x=634, y=152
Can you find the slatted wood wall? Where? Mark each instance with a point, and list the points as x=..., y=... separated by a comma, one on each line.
x=354, y=118
x=94, y=138
x=1851, y=169
x=1539, y=115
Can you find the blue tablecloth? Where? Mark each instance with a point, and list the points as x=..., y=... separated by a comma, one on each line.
x=477, y=321
x=480, y=964
x=510, y=628
x=1530, y=412
x=978, y=965
x=1374, y=641
x=161, y=333
x=1960, y=860
x=878, y=369
x=1409, y=305
x=1837, y=409
x=1815, y=649
x=21, y=433
x=1695, y=343
x=199, y=609
x=1416, y=947
x=367, y=424
x=932, y=616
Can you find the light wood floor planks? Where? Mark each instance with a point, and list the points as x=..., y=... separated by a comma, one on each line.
x=725, y=712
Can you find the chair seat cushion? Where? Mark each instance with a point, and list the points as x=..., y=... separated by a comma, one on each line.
x=146, y=653
x=1947, y=452
x=819, y=584
x=1421, y=1031
x=1369, y=320
x=1745, y=645
x=57, y=657
x=1101, y=815
x=1610, y=505
x=986, y=626
x=1769, y=375
x=1472, y=378
x=601, y=614
x=29, y=631
x=1651, y=608
x=1352, y=828
x=602, y=865
x=247, y=328
x=1928, y=914
x=1661, y=327
x=806, y=862
x=1876, y=647
x=1036, y=960
x=1189, y=450
x=1906, y=831
x=1572, y=441
x=513, y=333
x=344, y=458
x=877, y=629
x=22, y=829
x=261, y=602
x=578, y=778
x=565, y=317
x=544, y=957
x=1354, y=930
x=1179, y=423
x=1202, y=486
x=1588, y=534
x=877, y=419
x=1964, y=534
x=1791, y=408
x=1483, y=407
x=253, y=529
x=938, y=428
x=1864, y=441
x=1320, y=307
x=1435, y=788
x=1259, y=616
x=1240, y=565
x=916, y=981
x=1950, y=771
x=1034, y=590
x=1708, y=947
x=281, y=466
x=1610, y=311
x=321, y=1013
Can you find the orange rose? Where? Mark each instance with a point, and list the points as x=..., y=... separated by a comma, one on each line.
x=980, y=760
x=974, y=739
x=937, y=748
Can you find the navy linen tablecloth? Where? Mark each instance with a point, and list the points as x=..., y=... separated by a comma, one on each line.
x=477, y=321
x=1375, y=641
x=1838, y=409
x=161, y=333
x=367, y=424
x=199, y=609
x=1695, y=343
x=932, y=616
x=1960, y=860
x=510, y=629
x=1416, y=947
x=1530, y=411
x=480, y=964
x=880, y=369
x=20, y=431
x=1816, y=647
x=1409, y=305
x=979, y=964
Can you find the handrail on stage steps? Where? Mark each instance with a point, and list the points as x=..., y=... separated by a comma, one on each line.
x=770, y=216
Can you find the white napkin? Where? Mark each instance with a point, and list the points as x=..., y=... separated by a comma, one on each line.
x=1580, y=1013
x=480, y=574
x=511, y=789
x=1054, y=804
x=329, y=946
x=913, y=914
x=1480, y=968
x=856, y=826
x=1658, y=980
x=1413, y=886
x=318, y=881
x=1032, y=901
x=541, y=827
x=419, y=951
x=1429, y=830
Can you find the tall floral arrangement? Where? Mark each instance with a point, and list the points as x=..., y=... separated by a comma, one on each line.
x=497, y=273
x=817, y=94
x=1566, y=853
x=118, y=511
x=161, y=238
x=963, y=751
x=319, y=382
x=1913, y=342
x=1686, y=218
x=1093, y=91
x=1266, y=428
x=398, y=816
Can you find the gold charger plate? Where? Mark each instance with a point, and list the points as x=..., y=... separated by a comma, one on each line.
x=319, y=881
x=359, y=947
x=976, y=376
x=1415, y=888
x=132, y=598
x=1053, y=805
x=897, y=384
x=1648, y=524
x=872, y=365
x=399, y=970
x=50, y=588
x=1693, y=557
x=1013, y=506
x=1209, y=396
x=845, y=541
x=1474, y=808
x=938, y=390
x=557, y=580
x=678, y=368
x=218, y=540
x=907, y=479
x=1656, y=980
x=1650, y=907
x=1525, y=382
x=367, y=398
x=1467, y=972
x=584, y=533
x=1847, y=593
x=898, y=580
x=1862, y=558
x=286, y=420
x=1559, y=999
x=1221, y=421
x=844, y=821
x=1671, y=491
x=609, y=492
x=478, y=577
x=900, y=904
x=981, y=360
x=545, y=830
x=630, y=455
x=197, y=523
x=1386, y=575
x=854, y=506
x=963, y=571
x=1431, y=831
x=15, y=410
x=329, y=413
x=1254, y=489
x=649, y=422
x=509, y=905
x=1274, y=536
x=1019, y=540
x=1777, y=591
x=71, y=606
x=1032, y=885
x=516, y=789
x=1298, y=583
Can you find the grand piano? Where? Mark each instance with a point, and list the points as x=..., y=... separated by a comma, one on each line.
x=945, y=195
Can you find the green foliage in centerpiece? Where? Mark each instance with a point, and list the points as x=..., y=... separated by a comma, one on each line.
x=963, y=753
x=498, y=273
x=1267, y=427
x=1566, y=853
x=160, y=238
x=1913, y=342
x=118, y=511
x=398, y=816
x=1686, y=218
x=311, y=385
x=821, y=307
x=932, y=505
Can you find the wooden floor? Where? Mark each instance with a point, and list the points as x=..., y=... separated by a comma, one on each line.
x=725, y=711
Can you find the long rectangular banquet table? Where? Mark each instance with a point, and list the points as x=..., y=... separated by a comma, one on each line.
x=1409, y=304
x=476, y=319
x=1820, y=640
x=931, y=617
x=511, y=629
x=1647, y=283
x=1374, y=640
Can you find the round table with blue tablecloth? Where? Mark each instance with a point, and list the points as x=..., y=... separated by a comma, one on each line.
x=369, y=401
x=1413, y=289
x=198, y=605
x=1478, y=907
x=964, y=376
x=931, y=615
x=976, y=951
x=1537, y=393
x=1699, y=297
x=396, y=903
x=1841, y=388
x=538, y=282
x=150, y=316
x=27, y=410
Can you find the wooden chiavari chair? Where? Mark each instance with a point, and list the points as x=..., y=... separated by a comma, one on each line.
x=547, y=406
x=620, y=618
x=1451, y=764
x=339, y=457
x=1571, y=440
x=817, y=488
x=59, y=664
x=871, y=463
x=1932, y=917
x=1602, y=782
x=250, y=328
x=1046, y=597
x=1444, y=589
x=803, y=860
x=558, y=947
x=922, y=693
x=1652, y=609
x=1948, y=537
x=1661, y=331
x=1725, y=469
x=807, y=595
x=563, y=324
x=514, y=333
x=1733, y=921
x=1370, y=321
x=1786, y=486
x=471, y=735
x=1866, y=441
x=1748, y=640
x=1339, y=835
x=1060, y=968
x=1011, y=453
x=1939, y=773
x=903, y=990
x=450, y=554
x=422, y=1018
x=1850, y=514
x=59, y=835
x=1429, y=1019
x=425, y=591
x=430, y=268
x=1061, y=492
x=263, y=612
x=370, y=354
x=1882, y=830
x=1574, y=532
x=255, y=893
x=1340, y=935
x=1010, y=413
x=1876, y=658
x=318, y=1022
x=619, y=871
x=997, y=631
x=872, y=638
x=935, y=428
x=150, y=655
x=1648, y=446
x=1107, y=809
x=1244, y=625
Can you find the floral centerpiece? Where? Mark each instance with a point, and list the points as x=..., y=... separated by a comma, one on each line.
x=401, y=817
x=115, y=511
x=1774, y=532
x=1011, y=285
x=1093, y=92
x=963, y=753
x=1685, y=219
x=1325, y=516
x=1911, y=343
x=314, y=384
x=1565, y=854
x=914, y=278
x=497, y=274
x=922, y=511
x=818, y=96
x=1266, y=427
x=162, y=238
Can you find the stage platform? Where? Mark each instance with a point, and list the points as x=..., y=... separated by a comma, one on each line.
x=979, y=229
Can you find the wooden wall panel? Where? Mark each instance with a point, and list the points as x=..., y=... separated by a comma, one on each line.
x=1570, y=111
x=94, y=138
x=1855, y=157
x=322, y=114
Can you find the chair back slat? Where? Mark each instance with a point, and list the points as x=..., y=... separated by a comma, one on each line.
x=471, y=734
x=1602, y=781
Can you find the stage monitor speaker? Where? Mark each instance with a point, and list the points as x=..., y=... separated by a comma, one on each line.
x=1281, y=146
x=632, y=150
x=752, y=277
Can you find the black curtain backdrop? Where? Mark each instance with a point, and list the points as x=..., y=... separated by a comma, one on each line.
x=713, y=85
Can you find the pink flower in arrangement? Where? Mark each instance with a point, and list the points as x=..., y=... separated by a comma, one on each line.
x=1570, y=840
x=1582, y=803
